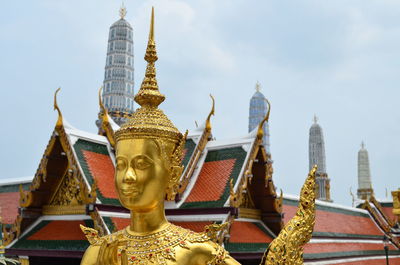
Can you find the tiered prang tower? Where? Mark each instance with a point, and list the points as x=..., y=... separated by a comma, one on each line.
x=118, y=85
x=365, y=190
x=257, y=111
x=316, y=153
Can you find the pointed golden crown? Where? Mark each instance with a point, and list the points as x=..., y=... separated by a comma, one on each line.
x=149, y=121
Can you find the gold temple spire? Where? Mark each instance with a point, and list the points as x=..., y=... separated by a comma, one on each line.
x=149, y=95
x=122, y=11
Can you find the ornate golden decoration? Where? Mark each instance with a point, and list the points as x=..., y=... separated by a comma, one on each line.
x=59, y=122
x=69, y=192
x=382, y=224
x=249, y=213
x=208, y=122
x=9, y=235
x=27, y=198
x=379, y=207
x=98, y=223
x=396, y=203
x=242, y=197
x=287, y=248
x=156, y=248
x=260, y=131
x=105, y=123
x=63, y=209
x=205, y=137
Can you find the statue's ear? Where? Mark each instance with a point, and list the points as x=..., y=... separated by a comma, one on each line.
x=176, y=172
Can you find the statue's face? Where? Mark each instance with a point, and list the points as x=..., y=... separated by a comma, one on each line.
x=141, y=174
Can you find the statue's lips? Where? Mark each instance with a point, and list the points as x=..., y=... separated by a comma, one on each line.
x=129, y=191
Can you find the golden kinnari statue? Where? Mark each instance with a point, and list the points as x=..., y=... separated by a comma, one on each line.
x=148, y=167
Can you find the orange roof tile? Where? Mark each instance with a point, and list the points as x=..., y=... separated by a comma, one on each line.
x=102, y=169
x=60, y=230
x=9, y=203
x=211, y=181
x=337, y=222
x=247, y=232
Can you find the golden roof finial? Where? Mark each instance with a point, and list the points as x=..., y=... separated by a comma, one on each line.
x=208, y=121
x=60, y=119
x=149, y=95
x=122, y=11
x=260, y=131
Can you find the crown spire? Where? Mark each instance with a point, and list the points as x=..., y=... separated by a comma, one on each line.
x=149, y=95
x=122, y=11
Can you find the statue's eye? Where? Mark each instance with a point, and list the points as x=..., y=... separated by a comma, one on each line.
x=142, y=162
x=121, y=164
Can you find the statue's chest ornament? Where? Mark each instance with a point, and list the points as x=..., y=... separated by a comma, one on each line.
x=159, y=247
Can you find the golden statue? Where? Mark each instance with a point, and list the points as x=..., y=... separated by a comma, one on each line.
x=148, y=167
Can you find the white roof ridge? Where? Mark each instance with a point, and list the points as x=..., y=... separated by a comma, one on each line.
x=16, y=180
x=328, y=204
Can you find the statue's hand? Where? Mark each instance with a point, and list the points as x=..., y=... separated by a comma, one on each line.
x=108, y=253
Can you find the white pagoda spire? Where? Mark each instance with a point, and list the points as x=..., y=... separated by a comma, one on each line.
x=365, y=190
x=316, y=151
x=118, y=85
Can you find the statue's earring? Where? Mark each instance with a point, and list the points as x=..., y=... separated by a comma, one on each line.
x=176, y=172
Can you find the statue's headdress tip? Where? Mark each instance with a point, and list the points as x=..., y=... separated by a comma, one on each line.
x=149, y=121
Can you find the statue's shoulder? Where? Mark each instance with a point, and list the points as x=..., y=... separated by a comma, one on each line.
x=206, y=243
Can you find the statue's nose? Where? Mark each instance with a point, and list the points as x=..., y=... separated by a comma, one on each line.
x=130, y=176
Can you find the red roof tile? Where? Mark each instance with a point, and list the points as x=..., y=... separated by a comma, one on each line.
x=194, y=226
x=247, y=232
x=337, y=222
x=60, y=230
x=312, y=248
x=102, y=169
x=9, y=203
x=211, y=181
x=389, y=212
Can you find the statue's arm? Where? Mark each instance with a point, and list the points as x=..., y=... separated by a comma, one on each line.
x=90, y=256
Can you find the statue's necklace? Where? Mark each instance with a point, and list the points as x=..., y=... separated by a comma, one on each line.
x=160, y=246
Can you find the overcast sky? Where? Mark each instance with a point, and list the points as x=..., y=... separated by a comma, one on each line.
x=337, y=59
